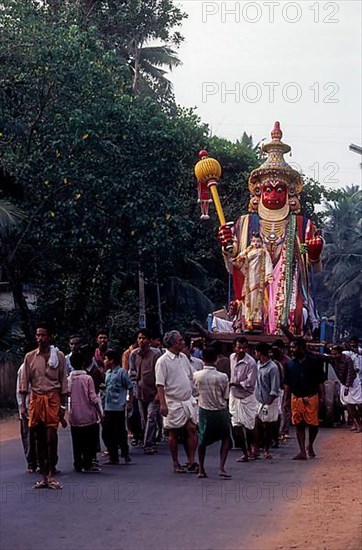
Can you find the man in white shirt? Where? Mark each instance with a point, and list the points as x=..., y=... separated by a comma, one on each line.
x=242, y=404
x=354, y=353
x=214, y=416
x=174, y=380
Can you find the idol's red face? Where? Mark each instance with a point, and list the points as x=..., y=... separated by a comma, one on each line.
x=274, y=195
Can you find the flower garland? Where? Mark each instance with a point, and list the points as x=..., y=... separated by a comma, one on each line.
x=279, y=300
x=284, y=290
x=289, y=267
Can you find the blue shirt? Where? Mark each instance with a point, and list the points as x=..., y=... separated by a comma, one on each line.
x=267, y=382
x=117, y=384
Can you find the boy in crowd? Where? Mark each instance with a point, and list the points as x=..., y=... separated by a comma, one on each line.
x=117, y=385
x=84, y=414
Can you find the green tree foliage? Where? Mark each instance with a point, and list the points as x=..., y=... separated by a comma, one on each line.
x=106, y=178
x=134, y=30
x=316, y=194
x=343, y=260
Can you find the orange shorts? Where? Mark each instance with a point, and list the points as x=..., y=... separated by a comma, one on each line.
x=305, y=410
x=45, y=409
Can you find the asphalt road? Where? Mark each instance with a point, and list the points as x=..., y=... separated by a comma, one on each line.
x=146, y=506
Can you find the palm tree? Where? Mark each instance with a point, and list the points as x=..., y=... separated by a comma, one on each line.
x=147, y=67
x=10, y=331
x=343, y=252
x=10, y=335
x=10, y=216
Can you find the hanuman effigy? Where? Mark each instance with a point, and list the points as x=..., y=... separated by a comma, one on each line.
x=273, y=252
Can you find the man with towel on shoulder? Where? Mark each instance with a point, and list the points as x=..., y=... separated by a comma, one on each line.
x=46, y=374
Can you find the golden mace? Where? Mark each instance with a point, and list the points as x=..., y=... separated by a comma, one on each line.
x=208, y=171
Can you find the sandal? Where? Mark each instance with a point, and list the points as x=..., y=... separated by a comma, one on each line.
x=178, y=469
x=40, y=484
x=224, y=475
x=243, y=458
x=54, y=484
x=193, y=468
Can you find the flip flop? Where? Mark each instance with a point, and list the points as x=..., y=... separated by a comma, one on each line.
x=242, y=459
x=40, y=484
x=202, y=476
x=193, y=468
x=54, y=484
x=224, y=475
x=179, y=469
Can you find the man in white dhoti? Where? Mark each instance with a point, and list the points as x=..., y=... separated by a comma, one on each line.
x=174, y=380
x=242, y=403
x=355, y=353
x=350, y=392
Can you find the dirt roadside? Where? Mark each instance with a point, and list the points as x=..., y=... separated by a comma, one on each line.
x=331, y=517
x=9, y=428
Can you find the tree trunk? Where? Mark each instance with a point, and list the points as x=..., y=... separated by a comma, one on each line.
x=20, y=303
x=137, y=70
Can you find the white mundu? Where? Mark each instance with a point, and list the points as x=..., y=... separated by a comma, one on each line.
x=175, y=374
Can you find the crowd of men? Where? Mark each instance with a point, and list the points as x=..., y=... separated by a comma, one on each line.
x=160, y=390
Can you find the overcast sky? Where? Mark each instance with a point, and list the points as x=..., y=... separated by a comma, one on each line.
x=247, y=64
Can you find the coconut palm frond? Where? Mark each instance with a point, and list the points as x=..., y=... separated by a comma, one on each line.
x=161, y=56
x=187, y=296
x=10, y=215
x=150, y=70
x=10, y=218
x=352, y=288
x=10, y=334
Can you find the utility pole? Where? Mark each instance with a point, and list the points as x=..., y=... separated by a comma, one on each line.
x=141, y=300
